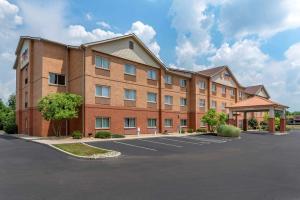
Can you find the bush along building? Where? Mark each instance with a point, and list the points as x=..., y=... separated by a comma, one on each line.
x=124, y=86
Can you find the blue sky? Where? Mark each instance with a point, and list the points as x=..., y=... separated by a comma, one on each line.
x=259, y=40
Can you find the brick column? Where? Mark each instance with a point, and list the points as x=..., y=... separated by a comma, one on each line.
x=271, y=120
x=282, y=122
x=231, y=119
x=245, y=122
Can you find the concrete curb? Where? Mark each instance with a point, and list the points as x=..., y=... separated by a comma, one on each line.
x=109, y=154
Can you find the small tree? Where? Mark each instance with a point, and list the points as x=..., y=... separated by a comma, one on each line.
x=253, y=123
x=214, y=119
x=58, y=107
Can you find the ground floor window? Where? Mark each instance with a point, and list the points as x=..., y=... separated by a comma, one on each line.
x=168, y=122
x=202, y=124
x=241, y=123
x=129, y=123
x=151, y=123
x=102, y=122
x=183, y=122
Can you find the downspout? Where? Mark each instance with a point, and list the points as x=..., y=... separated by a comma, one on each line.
x=83, y=93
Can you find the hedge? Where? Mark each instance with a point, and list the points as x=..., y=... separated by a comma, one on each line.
x=228, y=131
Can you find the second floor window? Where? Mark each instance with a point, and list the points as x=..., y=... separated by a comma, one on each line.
x=57, y=79
x=151, y=97
x=213, y=88
x=168, y=79
x=223, y=90
x=101, y=62
x=182, y=83
x=152, y=74
x=202, y=103
x=241, y=94
x=168, y=100
x=202, y=85
x=232, y=92
x=102, y=91
x=213, y=104
x=130, y=69
x=130, y=95
x=183, y=101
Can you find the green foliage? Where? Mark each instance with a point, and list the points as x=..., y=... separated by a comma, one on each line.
x=103, y=134
x=214, y=119
x=9, y=124
x=59, y=106
x=77, y=135
x=12, y=102
x=277, y=123
x=228, y=131
x=190, y=130
x=253, y=123
x=263, y=125
x=117, y=136
x=201, y=130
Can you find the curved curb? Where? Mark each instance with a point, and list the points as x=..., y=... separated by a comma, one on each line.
x=109, y=154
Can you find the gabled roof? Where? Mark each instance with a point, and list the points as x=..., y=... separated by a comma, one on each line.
x=254, y=90
x=133, y=36
x=256, y=101
x=180, y=72
x=216, y=70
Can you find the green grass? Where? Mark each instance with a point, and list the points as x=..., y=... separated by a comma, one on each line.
x=80, y=149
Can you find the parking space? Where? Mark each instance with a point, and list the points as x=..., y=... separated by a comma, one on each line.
x=160, y=145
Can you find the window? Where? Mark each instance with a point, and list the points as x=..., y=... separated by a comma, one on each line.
x=183, y=122
x=202, y=85
x=102, y=122
x=168, y=100
x=151, y=123
x=168, y=122
x=240, y=94
x=26, y=99
x=26, y=81
x=223, y=105
x=130, y=69
x=213, y=88
x=152, y=74
x=151, y=97
x=131, y=45
x=223, y=90
x=168, y=79
x=202, y=103
x=213, y=104
x=232, y=92
x=129, y=123
x=102, y=91
x=56, y=79
x=226, y=74
x=183, y=101
x=101, y=62
x=202, y=124
x=130, y=95
x=182, y=83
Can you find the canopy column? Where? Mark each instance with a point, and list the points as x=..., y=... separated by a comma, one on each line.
x=282, y=122
x=245, y=122
x=231, y=119
x=271, y=120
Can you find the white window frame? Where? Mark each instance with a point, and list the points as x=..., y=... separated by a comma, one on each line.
x=151, y=93
x=213, y=87
x=130, y=118
x=171, y=99
x=232, y=92
x=213, y=101
x=240, y=94
x=202, y=103
x=56, y=74
x=183, y=83
x=223, y=105
x=102, y=61
x=168, y=126
x=102, y=118
x=128, y=73
x=151, y=120
x=223, y=89
x=185, y=124
x=202, y=85
x=101, y=95
x=183, y=101
x=129, y=90
x=151, y=74
x=168, y=79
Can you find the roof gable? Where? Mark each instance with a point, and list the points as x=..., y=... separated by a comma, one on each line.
x=258, y=90
x=224, y=76
x=119, y=47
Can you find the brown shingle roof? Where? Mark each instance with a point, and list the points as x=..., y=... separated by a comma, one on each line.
x=253, y=89
x=212, y=71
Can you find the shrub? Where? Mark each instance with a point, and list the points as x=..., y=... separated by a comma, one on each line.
x=182, y=131
x=103, y=134
x=228, y=131
x=201, y=130
x=190, y=130
x=263, y=125
x=117, y=136
x=9, y=125
x=253, y=123
x=76, y=135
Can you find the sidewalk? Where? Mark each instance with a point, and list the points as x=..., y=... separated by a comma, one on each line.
x=63, y=140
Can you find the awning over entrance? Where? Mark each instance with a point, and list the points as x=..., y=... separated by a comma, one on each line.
x=259, y=104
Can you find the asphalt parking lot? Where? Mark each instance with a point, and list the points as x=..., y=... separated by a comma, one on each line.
x=257, y=166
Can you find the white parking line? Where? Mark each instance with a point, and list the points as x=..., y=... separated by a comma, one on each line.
x=173, y=145
x=135, y=146
x=181, y=141
x=206, y=139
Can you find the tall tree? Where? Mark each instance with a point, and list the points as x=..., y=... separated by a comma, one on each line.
x=58, y=107
x=12, y=101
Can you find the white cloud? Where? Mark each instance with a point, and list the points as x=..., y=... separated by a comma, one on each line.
x=104, y=25
x=88, y=16
x=293, y=55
